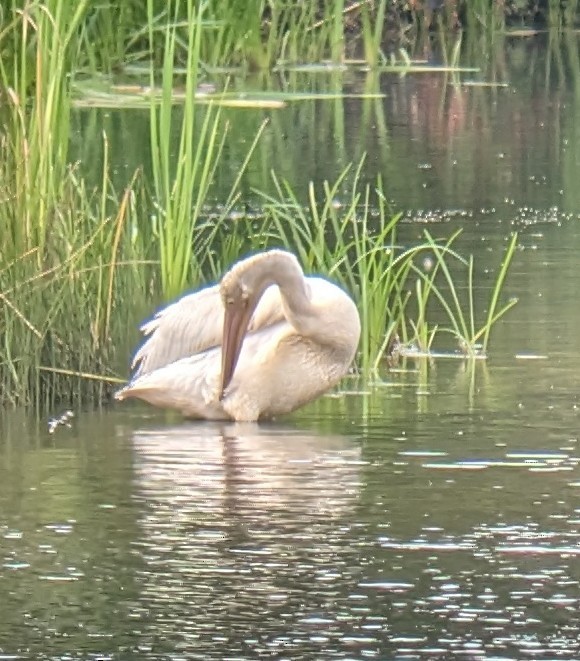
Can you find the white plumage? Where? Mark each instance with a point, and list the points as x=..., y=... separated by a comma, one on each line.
x=265, y=341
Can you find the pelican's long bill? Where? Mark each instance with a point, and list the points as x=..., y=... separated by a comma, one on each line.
x=236, y=321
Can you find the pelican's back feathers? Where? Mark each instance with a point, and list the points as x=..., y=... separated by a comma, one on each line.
x=192, y=324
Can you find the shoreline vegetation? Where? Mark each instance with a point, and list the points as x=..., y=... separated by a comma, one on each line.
x=81, y=263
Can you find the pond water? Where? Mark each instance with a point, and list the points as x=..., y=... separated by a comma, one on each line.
x=435, y=514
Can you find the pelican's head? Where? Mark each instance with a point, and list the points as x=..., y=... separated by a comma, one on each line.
x=241, y=288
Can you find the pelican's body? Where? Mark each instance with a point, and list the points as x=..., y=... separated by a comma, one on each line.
x=263, y=342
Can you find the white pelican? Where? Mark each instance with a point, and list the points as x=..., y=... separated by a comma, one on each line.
x=265, y=341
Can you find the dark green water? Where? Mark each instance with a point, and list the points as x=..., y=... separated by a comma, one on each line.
x=435, y=517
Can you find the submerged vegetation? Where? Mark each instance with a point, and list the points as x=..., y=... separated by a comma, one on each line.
x=81, y=263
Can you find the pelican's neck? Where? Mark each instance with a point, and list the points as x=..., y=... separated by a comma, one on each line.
x=286, y=272
x=251, y=277
x=277, y=267
x=248, y=279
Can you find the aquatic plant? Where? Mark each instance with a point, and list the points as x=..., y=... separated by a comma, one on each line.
x=63, y=244
x=482, y=14
x=80, y=265
x=180, y=180
x=123, y=35
x=37, y=48
x=471, y=339
x=348, y=232
x=62, y=301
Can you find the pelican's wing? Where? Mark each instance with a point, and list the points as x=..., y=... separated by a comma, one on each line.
x=193, y=324
x=190, y=325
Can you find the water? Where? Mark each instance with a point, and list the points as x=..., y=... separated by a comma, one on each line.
x=451, y=531
x=435, y=517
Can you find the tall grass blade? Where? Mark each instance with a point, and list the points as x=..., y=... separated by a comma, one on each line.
x=492, y=315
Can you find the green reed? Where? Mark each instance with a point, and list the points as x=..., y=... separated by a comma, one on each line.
x=454, y=293
x=259, y=34
x=77, y=263
x=337, y=39
x=234, y=34
x=254, y=34
x=372, y=26
x=181, y=176
x=186, y=144
x=348, y=232
x=63, y=264
x=484, y=15
x=63, y=303
x=37, y=47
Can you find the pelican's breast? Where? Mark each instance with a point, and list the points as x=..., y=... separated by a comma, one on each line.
x=279, y=371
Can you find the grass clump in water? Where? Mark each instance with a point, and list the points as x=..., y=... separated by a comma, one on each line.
x=63, y=245
x=437, y=282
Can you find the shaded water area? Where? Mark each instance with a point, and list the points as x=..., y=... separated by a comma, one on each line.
x=434, y=514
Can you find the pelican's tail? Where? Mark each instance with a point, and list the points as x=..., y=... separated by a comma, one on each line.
x=137, y=390
x=177, y=386
x=124, y=393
